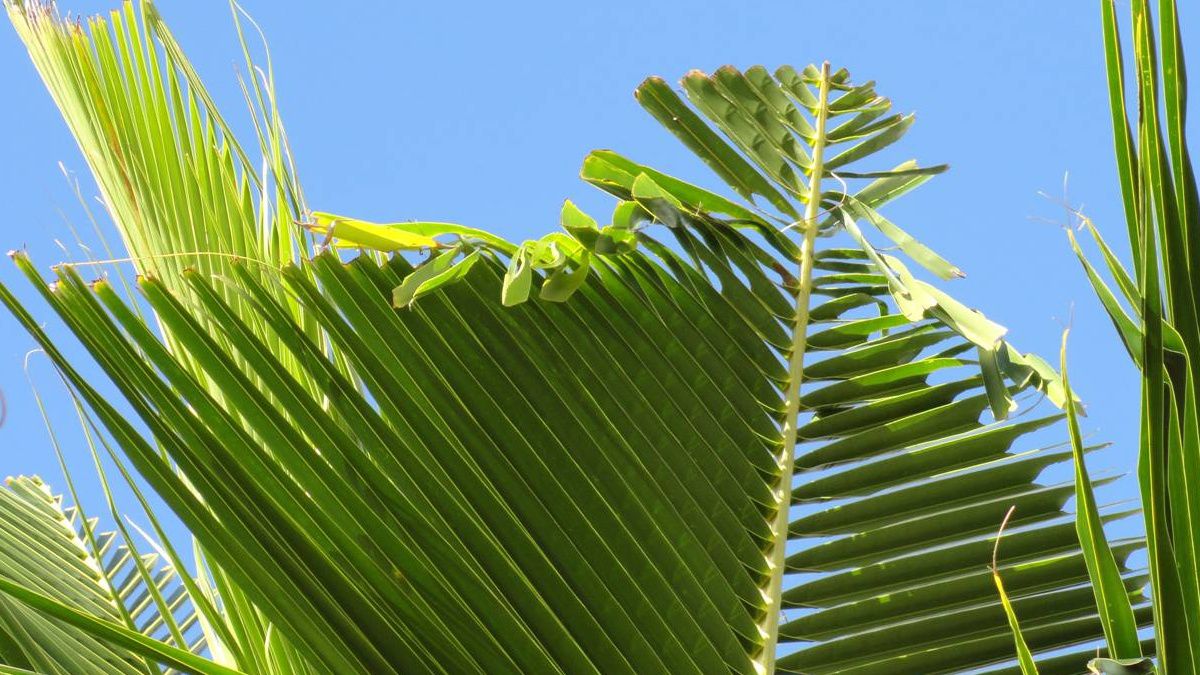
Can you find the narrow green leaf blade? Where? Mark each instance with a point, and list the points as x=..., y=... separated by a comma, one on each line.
x=1112, y=601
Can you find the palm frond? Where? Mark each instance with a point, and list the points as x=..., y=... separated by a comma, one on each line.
x=899, y=478
x=179, y=187
x=51, y=550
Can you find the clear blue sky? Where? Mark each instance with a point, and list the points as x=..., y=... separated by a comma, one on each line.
x=481, y=113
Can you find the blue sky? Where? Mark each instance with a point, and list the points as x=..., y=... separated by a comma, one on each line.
x=481, y=113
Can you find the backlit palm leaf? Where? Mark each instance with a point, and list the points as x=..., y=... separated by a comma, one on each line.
x=1156, y=316
x=49, y=549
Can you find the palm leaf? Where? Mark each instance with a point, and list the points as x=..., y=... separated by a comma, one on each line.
x=179, y=187
x=885, y=459
x=54, y=553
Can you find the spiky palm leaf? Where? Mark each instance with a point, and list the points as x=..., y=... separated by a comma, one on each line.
x=913, y=465
x=618, y=475
x=50, y=549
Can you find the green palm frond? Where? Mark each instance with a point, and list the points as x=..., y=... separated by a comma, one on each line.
x=181, y=190
x=49, y=549
x=900, y=483
x=706, y=436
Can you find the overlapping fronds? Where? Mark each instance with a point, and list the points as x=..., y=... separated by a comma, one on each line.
x=501, y=538
x=694, y=439
x=899, y=478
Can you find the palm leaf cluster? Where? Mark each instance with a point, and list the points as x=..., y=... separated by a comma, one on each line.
x=705, y=436
x=1155, y=313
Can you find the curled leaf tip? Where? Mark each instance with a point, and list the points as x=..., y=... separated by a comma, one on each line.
x=1103, y=666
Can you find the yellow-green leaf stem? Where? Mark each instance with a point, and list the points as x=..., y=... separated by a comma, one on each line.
x=1024, y=655
x=787, y=456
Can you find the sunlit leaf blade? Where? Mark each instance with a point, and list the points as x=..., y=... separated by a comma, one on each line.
x=159, y=149
x=361, y=234
x=999, y=397
x=357, y=233
x=445, y=268
x=1161, y=328
x=1129, y=332
x=1126, y=152
x=659, y=100
x=1174, y=89
x=112, y=633
x=913, y=248
x=1112, y=601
